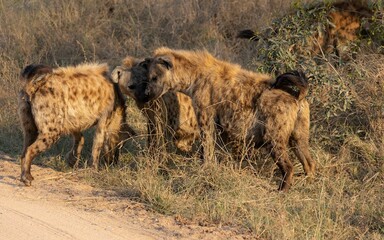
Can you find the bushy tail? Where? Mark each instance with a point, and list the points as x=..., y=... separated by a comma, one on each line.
x=294, y=83
x=34, y=70
x=248, y=34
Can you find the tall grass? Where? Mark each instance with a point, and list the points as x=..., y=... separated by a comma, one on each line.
x=347, y=114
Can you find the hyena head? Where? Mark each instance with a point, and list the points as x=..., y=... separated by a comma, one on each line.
x=159, y=78
x=132, y=78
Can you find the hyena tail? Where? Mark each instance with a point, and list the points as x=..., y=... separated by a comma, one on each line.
x=248, y=34
x=294, y=83
x=34, y=70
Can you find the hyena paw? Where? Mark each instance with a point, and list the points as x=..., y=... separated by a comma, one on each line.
x=26, y=179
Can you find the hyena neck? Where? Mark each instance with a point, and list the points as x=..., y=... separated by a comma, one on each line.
x=183, y=79
x=186, y=69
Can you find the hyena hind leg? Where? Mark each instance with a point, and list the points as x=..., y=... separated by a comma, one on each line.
x=301, y=149
x=98, y=142
x=28, y=125
x=299, y=141
x=42, y=143
x=280, y=154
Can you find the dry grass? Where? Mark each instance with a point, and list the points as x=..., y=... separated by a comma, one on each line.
x=347, y=105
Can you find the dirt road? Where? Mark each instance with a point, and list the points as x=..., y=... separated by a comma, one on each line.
x=20, y=219
x=63, y=206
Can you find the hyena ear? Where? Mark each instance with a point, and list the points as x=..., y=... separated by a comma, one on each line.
x=116, y=74
x=166, y=61
x=129, y=61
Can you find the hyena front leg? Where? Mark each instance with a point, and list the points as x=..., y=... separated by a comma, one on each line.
x=117, y=131
x=205, y=119
x=73, y=156
x=98, y=142
x=155, y=126
x=111, y=150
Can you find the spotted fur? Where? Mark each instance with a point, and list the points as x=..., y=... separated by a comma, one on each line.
x=244, y=105
x=69, y=100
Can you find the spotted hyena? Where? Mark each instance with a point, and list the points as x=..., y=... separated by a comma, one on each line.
x=246, y=106
x=346, y=21
x=171, y=116
x=69, y=100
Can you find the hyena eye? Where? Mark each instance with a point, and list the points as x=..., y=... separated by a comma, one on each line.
x=153, y=79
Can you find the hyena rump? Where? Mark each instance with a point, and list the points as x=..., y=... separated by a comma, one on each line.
x=69, y=100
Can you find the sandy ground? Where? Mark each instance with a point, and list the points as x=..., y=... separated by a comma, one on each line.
x=63, y=206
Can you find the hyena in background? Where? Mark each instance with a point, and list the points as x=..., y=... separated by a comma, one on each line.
x=347, y=21
x=170, y=117
x=246, y=106
x=69, y=100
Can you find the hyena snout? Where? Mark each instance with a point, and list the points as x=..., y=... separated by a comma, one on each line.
x=148, y=92
x=132, y=81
